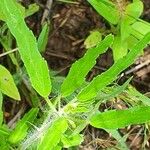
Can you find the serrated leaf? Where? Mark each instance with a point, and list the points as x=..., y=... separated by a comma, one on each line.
x=112, y=92
x=43, y=38
x=1, y=112
x=80, y=68
x=7, y=85
x=101, y=81
x=53, y=135
x=35, y=65
x=115, y=119
x=93, y=39
x=106, y=9
x=21, y=129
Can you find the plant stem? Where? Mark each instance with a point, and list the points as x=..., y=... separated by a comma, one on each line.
x=52, y=107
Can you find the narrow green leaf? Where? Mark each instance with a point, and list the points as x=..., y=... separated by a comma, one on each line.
x=33, y=8
x=1, y=112
x=137, y=96
x=43, y=38
x=53, y=135
x=7, y=85
x=101, y=81
x=35, y=65
x=19, y=7
x=80, y=68
x=5, y=43
x=115, y=119
x=106, y=9
x=112, y=92
x=20, y=132
x=121, y=141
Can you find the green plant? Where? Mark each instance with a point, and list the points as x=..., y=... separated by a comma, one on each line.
x=126, y=17
x=61, y=125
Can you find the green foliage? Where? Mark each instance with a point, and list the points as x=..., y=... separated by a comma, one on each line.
x=120, y=118
x=43, y=38
x=75, y=103
x=21, y=129
x=69, y=141
x=141, y=27
x=53, y=135
x=76, y=77
x=106, y=9
x=1, y=112
x=126, y=18
x=7, y=85
x=93, y=39
x=33, y=8
x=35, y=65
x=101, y=81
x=114, y=91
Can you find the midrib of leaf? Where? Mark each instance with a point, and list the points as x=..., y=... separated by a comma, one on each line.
x=36, y=66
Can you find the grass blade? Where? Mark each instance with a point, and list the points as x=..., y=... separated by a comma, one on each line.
x=43, y=38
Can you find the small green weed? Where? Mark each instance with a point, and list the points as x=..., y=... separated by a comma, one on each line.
x=60, y=125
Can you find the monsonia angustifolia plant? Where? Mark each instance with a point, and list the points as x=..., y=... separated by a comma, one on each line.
x=75, y=102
